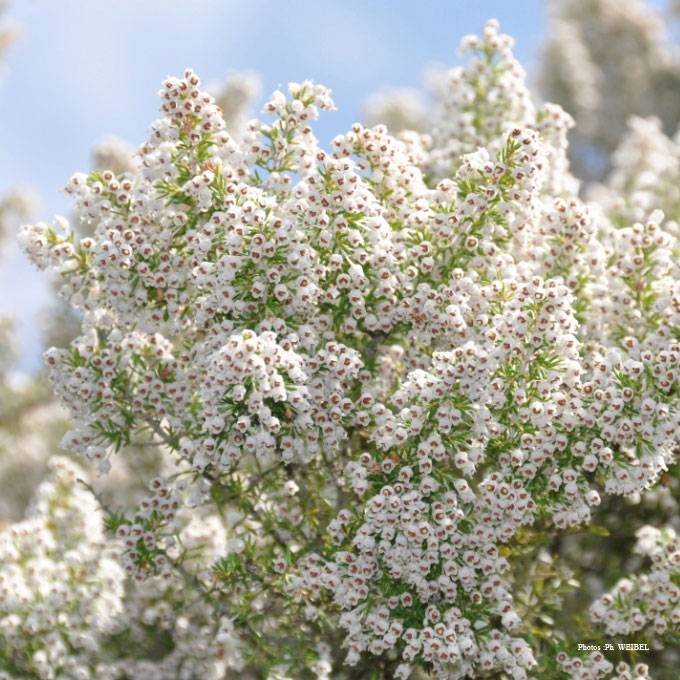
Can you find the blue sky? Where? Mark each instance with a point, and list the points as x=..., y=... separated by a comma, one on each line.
x=83, y=69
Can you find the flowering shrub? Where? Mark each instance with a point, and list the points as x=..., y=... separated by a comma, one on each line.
x=384, y=378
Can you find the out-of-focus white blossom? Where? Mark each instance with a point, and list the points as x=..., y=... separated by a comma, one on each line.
x=605, y=61
x=114, y=154
x=236, y=96
x=398, y=108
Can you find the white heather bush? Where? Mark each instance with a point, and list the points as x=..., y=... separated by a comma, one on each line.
x=390, y=376
x=236, y=97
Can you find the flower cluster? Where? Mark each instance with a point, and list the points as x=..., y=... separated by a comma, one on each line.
x=60, y=588
x=482, y=101
x=596, y=667
x=648, y=602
